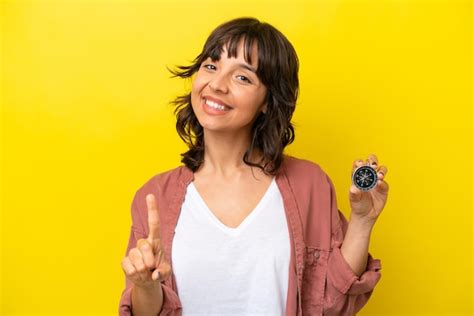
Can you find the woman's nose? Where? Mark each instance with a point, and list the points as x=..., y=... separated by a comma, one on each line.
x=218, y=83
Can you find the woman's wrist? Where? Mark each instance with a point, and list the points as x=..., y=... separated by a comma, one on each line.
x=149, y=287
x=361, y=224
x=148, y=299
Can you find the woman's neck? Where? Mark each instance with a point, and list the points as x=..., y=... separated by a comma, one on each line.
x=223, y=155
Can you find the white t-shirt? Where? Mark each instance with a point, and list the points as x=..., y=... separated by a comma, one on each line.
x=232, y=271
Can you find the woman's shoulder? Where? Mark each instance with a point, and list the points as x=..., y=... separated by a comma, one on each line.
x=167, y=179
x=163, y=185
x=300, y=168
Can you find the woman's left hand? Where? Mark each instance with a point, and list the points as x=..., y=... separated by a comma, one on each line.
x=367, y=206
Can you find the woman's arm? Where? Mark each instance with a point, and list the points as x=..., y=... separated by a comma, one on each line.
x=147, y=301
x=352, y=272
x=350, y=282
x=355, y=246
x=152, y=297
x=366, y=207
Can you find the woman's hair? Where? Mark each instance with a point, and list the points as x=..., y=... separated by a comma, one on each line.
x=277, y=69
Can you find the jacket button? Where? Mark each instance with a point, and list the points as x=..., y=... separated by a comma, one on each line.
x=316, y=254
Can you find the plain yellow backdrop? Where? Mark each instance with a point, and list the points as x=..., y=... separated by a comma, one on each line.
x=86, y=121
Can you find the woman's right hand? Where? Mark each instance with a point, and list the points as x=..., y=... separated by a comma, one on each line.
x=145, y=265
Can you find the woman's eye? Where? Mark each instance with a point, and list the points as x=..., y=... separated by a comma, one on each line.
x=210, y=67
x=243, y=78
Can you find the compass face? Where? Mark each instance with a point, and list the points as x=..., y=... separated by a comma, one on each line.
x=364, y=178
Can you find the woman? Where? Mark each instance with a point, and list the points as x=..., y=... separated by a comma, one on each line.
x=247, y=229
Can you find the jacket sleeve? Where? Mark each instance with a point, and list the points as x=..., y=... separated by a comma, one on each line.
x=171, y=303
x=346, y=293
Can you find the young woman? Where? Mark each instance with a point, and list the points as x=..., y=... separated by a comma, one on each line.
x=242, y=228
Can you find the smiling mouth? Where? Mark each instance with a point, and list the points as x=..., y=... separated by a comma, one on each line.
x=217, y=106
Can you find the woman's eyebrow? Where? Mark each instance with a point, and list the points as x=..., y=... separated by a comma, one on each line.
x=248, y=67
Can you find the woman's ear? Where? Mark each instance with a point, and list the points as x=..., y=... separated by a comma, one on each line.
x=264, y=109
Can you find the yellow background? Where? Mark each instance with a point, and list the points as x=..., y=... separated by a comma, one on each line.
x=86, y=121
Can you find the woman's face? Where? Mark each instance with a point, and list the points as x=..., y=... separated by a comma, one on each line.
x=227, y=95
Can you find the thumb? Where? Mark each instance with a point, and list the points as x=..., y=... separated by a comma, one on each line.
x=355, y=194
x=162, y=272
x=155, y=275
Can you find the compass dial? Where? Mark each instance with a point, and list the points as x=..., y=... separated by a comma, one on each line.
x=364, y=178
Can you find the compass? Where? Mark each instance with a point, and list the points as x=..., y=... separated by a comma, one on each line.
x=364, y=178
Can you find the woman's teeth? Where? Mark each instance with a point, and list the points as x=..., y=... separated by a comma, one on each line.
x=216, y=106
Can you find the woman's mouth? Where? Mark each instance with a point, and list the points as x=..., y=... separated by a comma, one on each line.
x=214, y=108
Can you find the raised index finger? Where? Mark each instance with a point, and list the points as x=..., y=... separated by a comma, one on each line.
x=154, y=229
